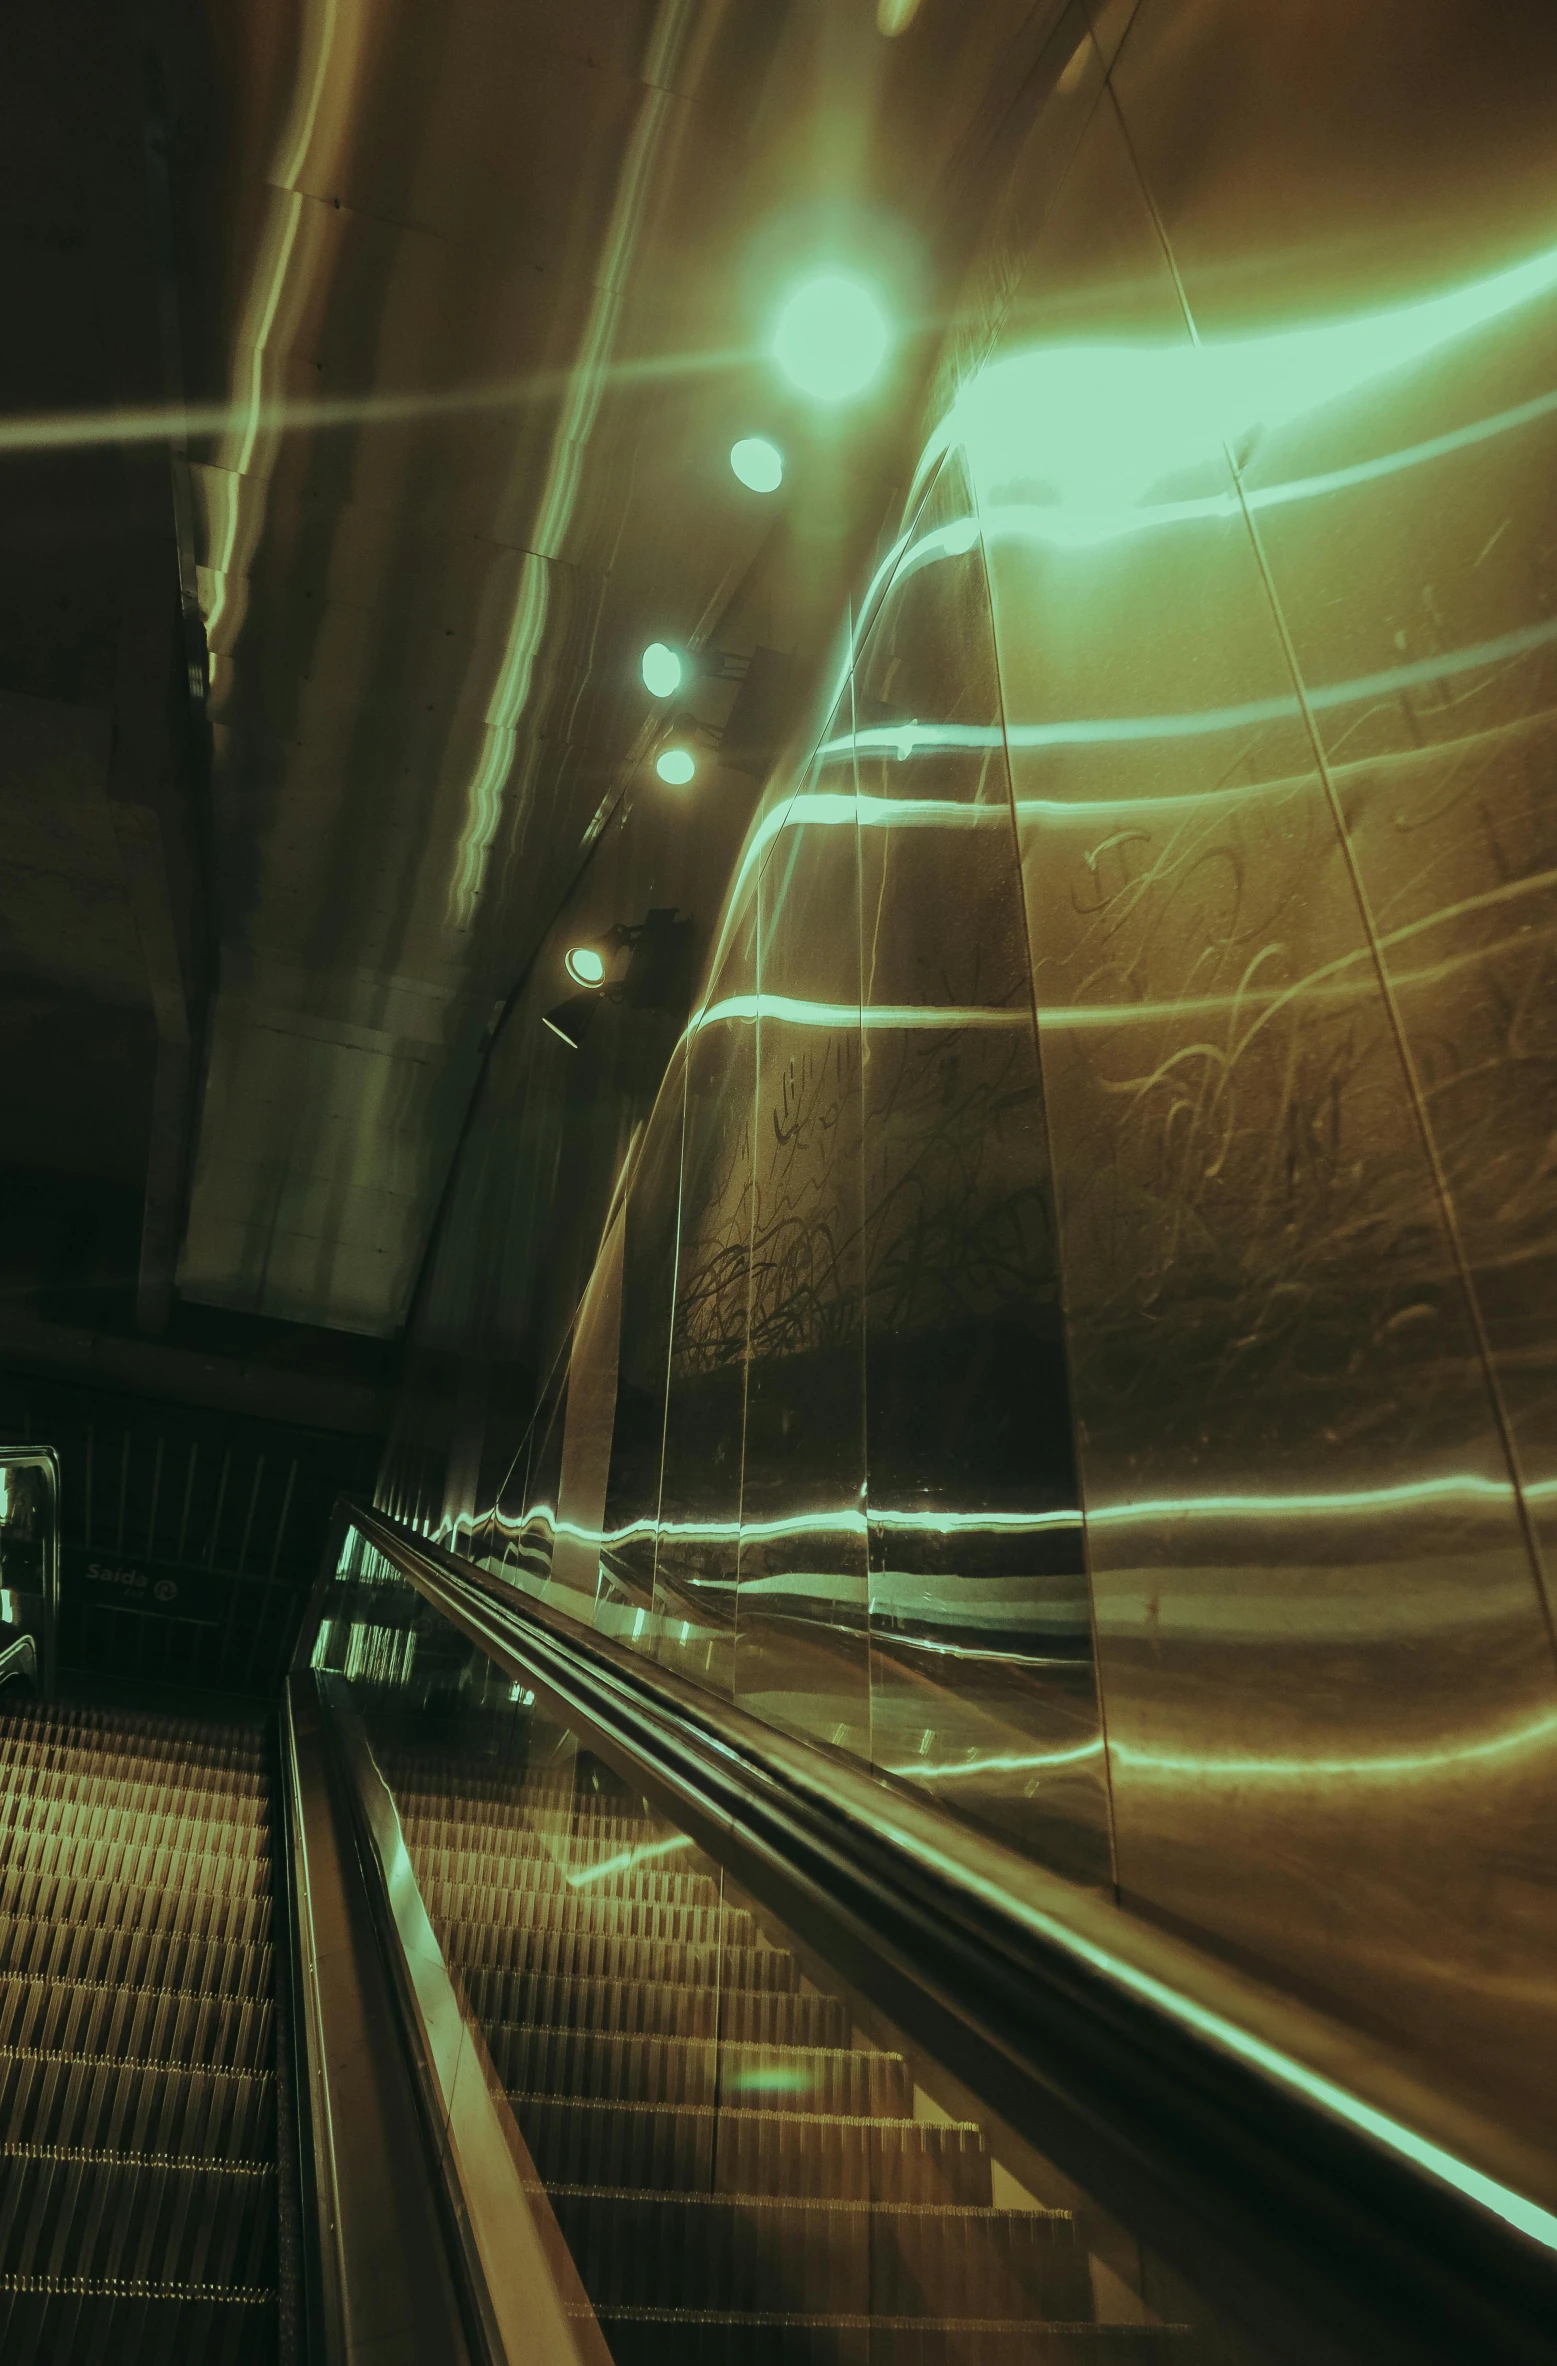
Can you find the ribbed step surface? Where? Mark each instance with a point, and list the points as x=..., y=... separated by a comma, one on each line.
x=740, y=2180
x=755, y=2254
x=76, y=2321
x=688, y=2149
x=672, y=2337
x=560, y=2000
x=137, y=2092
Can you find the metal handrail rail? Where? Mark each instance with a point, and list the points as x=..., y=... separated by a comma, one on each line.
x=18, y=1658
x=1303, y=2179
x=46, y=1460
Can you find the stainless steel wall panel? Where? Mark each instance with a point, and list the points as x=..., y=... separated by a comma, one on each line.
x=1320, y=1646
x=801, y=1654
x=1402, y=512
x=1136, y=1107
x=705, y=1416
x=632, y=1500
x=982, y=1684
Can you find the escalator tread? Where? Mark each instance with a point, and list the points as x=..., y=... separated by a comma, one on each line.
x=137, y=2089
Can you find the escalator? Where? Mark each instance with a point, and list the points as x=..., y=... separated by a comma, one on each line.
x=509, y=1999
x=138, y=2216
x=735, y=2176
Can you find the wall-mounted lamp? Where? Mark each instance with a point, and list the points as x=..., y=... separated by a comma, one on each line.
x=831, y=337
x=663, y=668
x=657, y=976
x=585, y=965
x=676, y=765
x=758, y=464
x=570, y=1022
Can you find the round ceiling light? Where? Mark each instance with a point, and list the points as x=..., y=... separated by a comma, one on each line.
x=758, y=463
x=831, y=337
x=585, y=965
x=662, y=669
x=676, y=766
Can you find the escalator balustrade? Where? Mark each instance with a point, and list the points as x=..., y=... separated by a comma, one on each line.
x=137, y=2084
x=738, y=2176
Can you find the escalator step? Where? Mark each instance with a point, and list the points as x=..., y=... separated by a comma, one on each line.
x=35, y=1790
x=136, y=2024
x=651, y=2069
x=483, y=1799
x=28, y=1817
x=184, y=1766
x=236, y=1789
x=578, y=1912
x=95, y=1954
x=538, y=1877
x=87, y=2102
x=210, y=1871
x=48, y=1897
x=567, y=2002
x=79, y=2321
x=687, y=2149
x=170, y=1732
x=758, y=2253
x=684, y=2337
x=555, y=1843
x=476, y=1947
x=495, y=1822
x=142, y=2217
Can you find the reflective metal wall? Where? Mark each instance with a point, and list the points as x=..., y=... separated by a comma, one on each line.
x=1076, y=1325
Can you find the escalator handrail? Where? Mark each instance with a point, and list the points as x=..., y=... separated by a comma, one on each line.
x=1294, y=2170
x=18, y=1657
x=45, y=1459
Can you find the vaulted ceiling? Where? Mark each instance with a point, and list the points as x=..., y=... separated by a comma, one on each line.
x=437, y=324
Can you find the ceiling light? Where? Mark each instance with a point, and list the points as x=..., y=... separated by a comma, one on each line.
x=585, y=965
x=676, y=766
x=758, y=463
x=663, y=669
x=832, y=337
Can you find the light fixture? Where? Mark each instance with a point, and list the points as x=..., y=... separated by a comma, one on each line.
x=831, y=337
x=758, y=464
x=663, y=669
x=571, y=1021
x=676, y=766
x=657, y=978
x=585, y=964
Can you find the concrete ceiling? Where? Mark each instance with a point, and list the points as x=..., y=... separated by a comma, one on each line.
x=464, y=306
x=492, y=330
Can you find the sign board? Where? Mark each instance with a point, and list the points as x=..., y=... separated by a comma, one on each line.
x=161, y=1589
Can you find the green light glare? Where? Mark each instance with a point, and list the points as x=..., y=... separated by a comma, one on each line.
x=584, y=965
x=831, y=337
x=662, y=669
x=676, y=766
x=1102, y=423
x=758, y=464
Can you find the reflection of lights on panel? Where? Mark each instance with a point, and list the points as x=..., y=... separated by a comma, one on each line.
x=1101, y=423
x=1470, y=1490
x=629, y=1859
x=1386, y=1766
x=884, y=1017
x=907, y=741
x=926, y=1770
x=1178, y=1766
